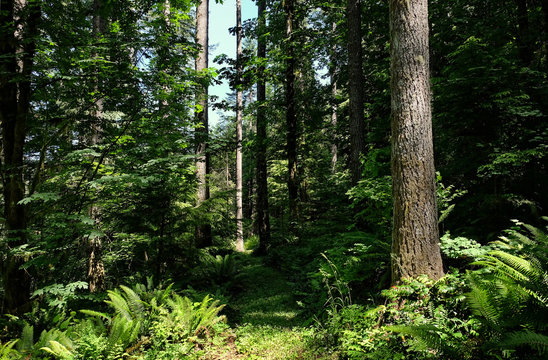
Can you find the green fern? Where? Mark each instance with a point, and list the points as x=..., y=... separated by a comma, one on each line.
x=539, y=342
x=7, y=352
x=186, y=319
x=510, y=292
x=54, y=341
x=428, y=336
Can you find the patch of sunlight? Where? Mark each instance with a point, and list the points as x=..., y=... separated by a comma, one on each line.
x=275, y=343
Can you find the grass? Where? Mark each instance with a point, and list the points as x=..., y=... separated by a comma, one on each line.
x=267, y=324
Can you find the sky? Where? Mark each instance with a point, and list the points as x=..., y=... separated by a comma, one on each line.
x=221, y=18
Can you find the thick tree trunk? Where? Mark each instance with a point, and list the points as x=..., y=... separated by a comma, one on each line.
x=523, y=36
x=96, y=269
x=262, y=217
x=17, y=49
x=239, y=114
x=415, y=248
x=203, y=231
x=291, y=116
x=355, y=88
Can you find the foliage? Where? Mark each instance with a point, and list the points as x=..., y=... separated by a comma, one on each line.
x=418, y=316
x=156, y=323
x=510, y=293
x=461, y=248
x=7, y=352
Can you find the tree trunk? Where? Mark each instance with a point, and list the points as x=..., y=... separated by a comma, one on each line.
x=415, y=248
x=355, y=88
x=263, y=216
x=291, y=116
x=523, y=36
x=96, y=269
x=334, y=105
x=17, y=49
x=545, y=23
x=203, y=231
x=239, y=105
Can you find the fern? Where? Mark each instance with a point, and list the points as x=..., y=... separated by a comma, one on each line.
x=7, y=352
x=58, y=350
x=510, y=292
x=185, y=318
x=537, y=341
x=429, y=336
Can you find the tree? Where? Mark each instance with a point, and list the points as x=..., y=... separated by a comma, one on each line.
x=355, y=88
x=334, y=105
x=239, y=114
x=96, y=269
x=262, y=215
x=18, y=29
x=291, y=114
x=203, y=231
x=415, y=248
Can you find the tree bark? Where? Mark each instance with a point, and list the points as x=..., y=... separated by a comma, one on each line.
x=415, y=247
x=239, y=105
x=355, y=88
x=96, y=269
x=262, y=216
x=203, y=231
x=17, y=49
x=291, y=115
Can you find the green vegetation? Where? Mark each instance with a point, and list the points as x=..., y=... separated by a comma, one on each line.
x=376, y=158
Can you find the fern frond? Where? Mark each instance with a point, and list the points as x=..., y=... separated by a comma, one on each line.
x=26, y=341
x=482, y=301
x=96, y=314
x=7, y=352
x=59, y=350
x=136, y=305
x=536, y=341
x=427, y=337
x=120, y=305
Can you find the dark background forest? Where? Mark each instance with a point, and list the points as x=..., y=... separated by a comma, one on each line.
x=132, y=228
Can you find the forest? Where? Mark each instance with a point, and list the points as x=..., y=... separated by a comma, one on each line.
x=374, y=189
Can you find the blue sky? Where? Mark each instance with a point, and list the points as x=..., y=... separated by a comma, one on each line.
x=221, y=18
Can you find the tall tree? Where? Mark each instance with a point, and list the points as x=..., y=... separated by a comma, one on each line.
x=263, y=216
x=239, y=114
x=523, y=37
x=96, y=269
x=415, y=248
x=355, y=87
x=18, y=29
x=291, y=114
x=334, y=106
x=203, y=231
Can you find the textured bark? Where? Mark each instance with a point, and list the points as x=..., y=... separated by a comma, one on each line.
x=239, y=105
x=334, y=106
x=203, y=231
x=291, y=115
x=96, y=269
x=415, y=248
x=523, y=37
x=17, y=49
x=355, y=88
x=262, y=216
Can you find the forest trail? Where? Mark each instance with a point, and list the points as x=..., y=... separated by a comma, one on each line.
x=267, y=325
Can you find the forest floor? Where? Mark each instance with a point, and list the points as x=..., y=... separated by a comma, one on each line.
x=266, y=324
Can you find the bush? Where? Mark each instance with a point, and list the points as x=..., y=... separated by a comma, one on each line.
x=419, y=320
